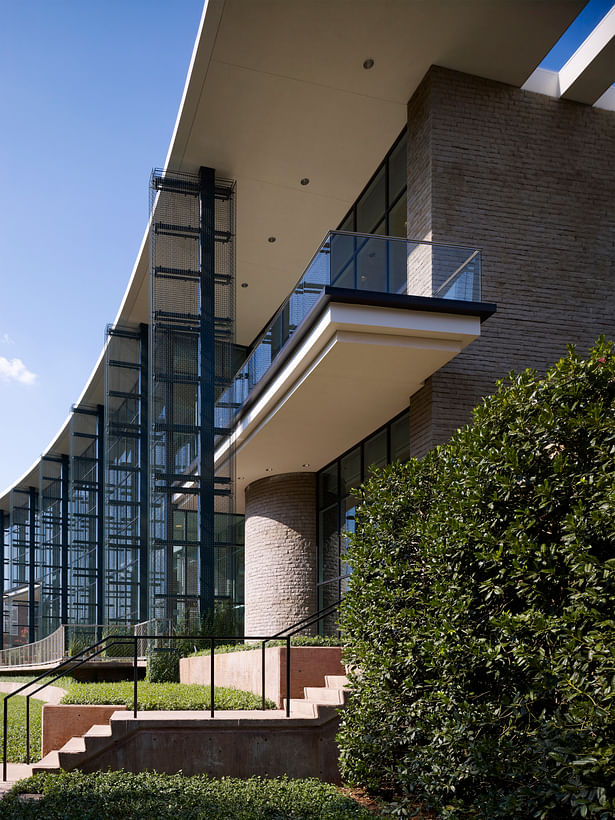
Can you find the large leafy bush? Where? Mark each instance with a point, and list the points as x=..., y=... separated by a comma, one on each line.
x=480, y=615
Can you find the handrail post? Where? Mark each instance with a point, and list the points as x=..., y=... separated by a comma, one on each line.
x=4, y=740
x=212, y=665
x=288, y=676
x=135, y=679
x=27, y=728
x=263, y=675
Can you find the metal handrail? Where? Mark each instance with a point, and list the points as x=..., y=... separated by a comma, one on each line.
x=85, y=655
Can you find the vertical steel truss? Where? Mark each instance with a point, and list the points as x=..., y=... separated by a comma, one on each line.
x=85, y=565
x=22, y=609
x=53, y=542
x=191, y=340
x=126, y=476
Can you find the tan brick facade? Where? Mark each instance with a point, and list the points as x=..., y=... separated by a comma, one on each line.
x=280, y=552
x=531, y=181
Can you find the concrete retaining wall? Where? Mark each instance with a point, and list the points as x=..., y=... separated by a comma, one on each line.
x=235, y=745
x=242, y=670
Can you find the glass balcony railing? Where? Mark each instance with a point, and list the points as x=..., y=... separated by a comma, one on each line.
x=358, y=262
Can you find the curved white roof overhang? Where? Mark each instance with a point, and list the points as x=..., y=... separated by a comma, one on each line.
x=276, y=92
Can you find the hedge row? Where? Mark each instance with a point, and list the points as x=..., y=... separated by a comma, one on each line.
x=481, y=609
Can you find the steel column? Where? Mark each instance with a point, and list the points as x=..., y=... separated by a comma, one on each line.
x=100, y=510
x=207, y=373
x=144, y=477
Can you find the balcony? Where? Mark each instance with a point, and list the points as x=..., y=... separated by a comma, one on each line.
x=369, y=313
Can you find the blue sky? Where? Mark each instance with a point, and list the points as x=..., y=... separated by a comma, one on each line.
x=580, y=29
x=89, y=96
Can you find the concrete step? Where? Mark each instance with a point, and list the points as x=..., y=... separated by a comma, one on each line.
x=49, y=763
x=336, y=681
x=322, y=694
x=98, y=730
x=300, y=708
x=97, y=738
x=76, y=745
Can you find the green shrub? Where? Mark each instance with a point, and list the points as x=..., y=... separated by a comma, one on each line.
x=162, y=664
x=480, y=609
x=125, y=796
x=120, y=649
x=155, y=696
x=316, y=640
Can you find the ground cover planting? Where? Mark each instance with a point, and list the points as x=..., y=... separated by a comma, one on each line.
x=16, y=735
x=316, y=640
x=124, y=796
x=156, y=696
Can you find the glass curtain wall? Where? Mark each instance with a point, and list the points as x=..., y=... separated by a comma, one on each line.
x=337, y=504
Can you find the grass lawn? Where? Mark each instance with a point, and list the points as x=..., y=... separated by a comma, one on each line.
x=17, y=729
x=125, y=796
x=155, y=696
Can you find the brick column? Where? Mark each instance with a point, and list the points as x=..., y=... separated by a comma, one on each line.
x=280, y=552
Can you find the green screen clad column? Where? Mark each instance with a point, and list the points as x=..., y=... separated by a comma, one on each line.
x=188, y=334
x=84, y=599
x=125, y=475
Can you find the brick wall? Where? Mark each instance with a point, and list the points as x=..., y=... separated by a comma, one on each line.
x=530, y=180
x=280, y=552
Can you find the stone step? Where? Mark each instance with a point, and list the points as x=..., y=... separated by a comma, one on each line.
x=322, y=694
x=336, y=681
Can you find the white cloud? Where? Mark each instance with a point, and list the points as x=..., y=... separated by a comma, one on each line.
x=14, y=370
x=6, y=339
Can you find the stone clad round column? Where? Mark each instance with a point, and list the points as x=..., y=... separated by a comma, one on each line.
x=280, y=552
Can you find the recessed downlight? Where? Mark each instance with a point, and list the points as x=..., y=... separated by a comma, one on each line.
x=304, y=181
x=367, y=64
x=272, y=239
x=244, y=284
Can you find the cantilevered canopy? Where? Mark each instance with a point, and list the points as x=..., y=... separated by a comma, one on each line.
x=277, y=92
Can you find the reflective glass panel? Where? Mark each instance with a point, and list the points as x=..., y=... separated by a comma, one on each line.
x=371, y=206
x=398, y=225
x=400, y=438
x=375, y=452
x=397, y=170
x=351, y=470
